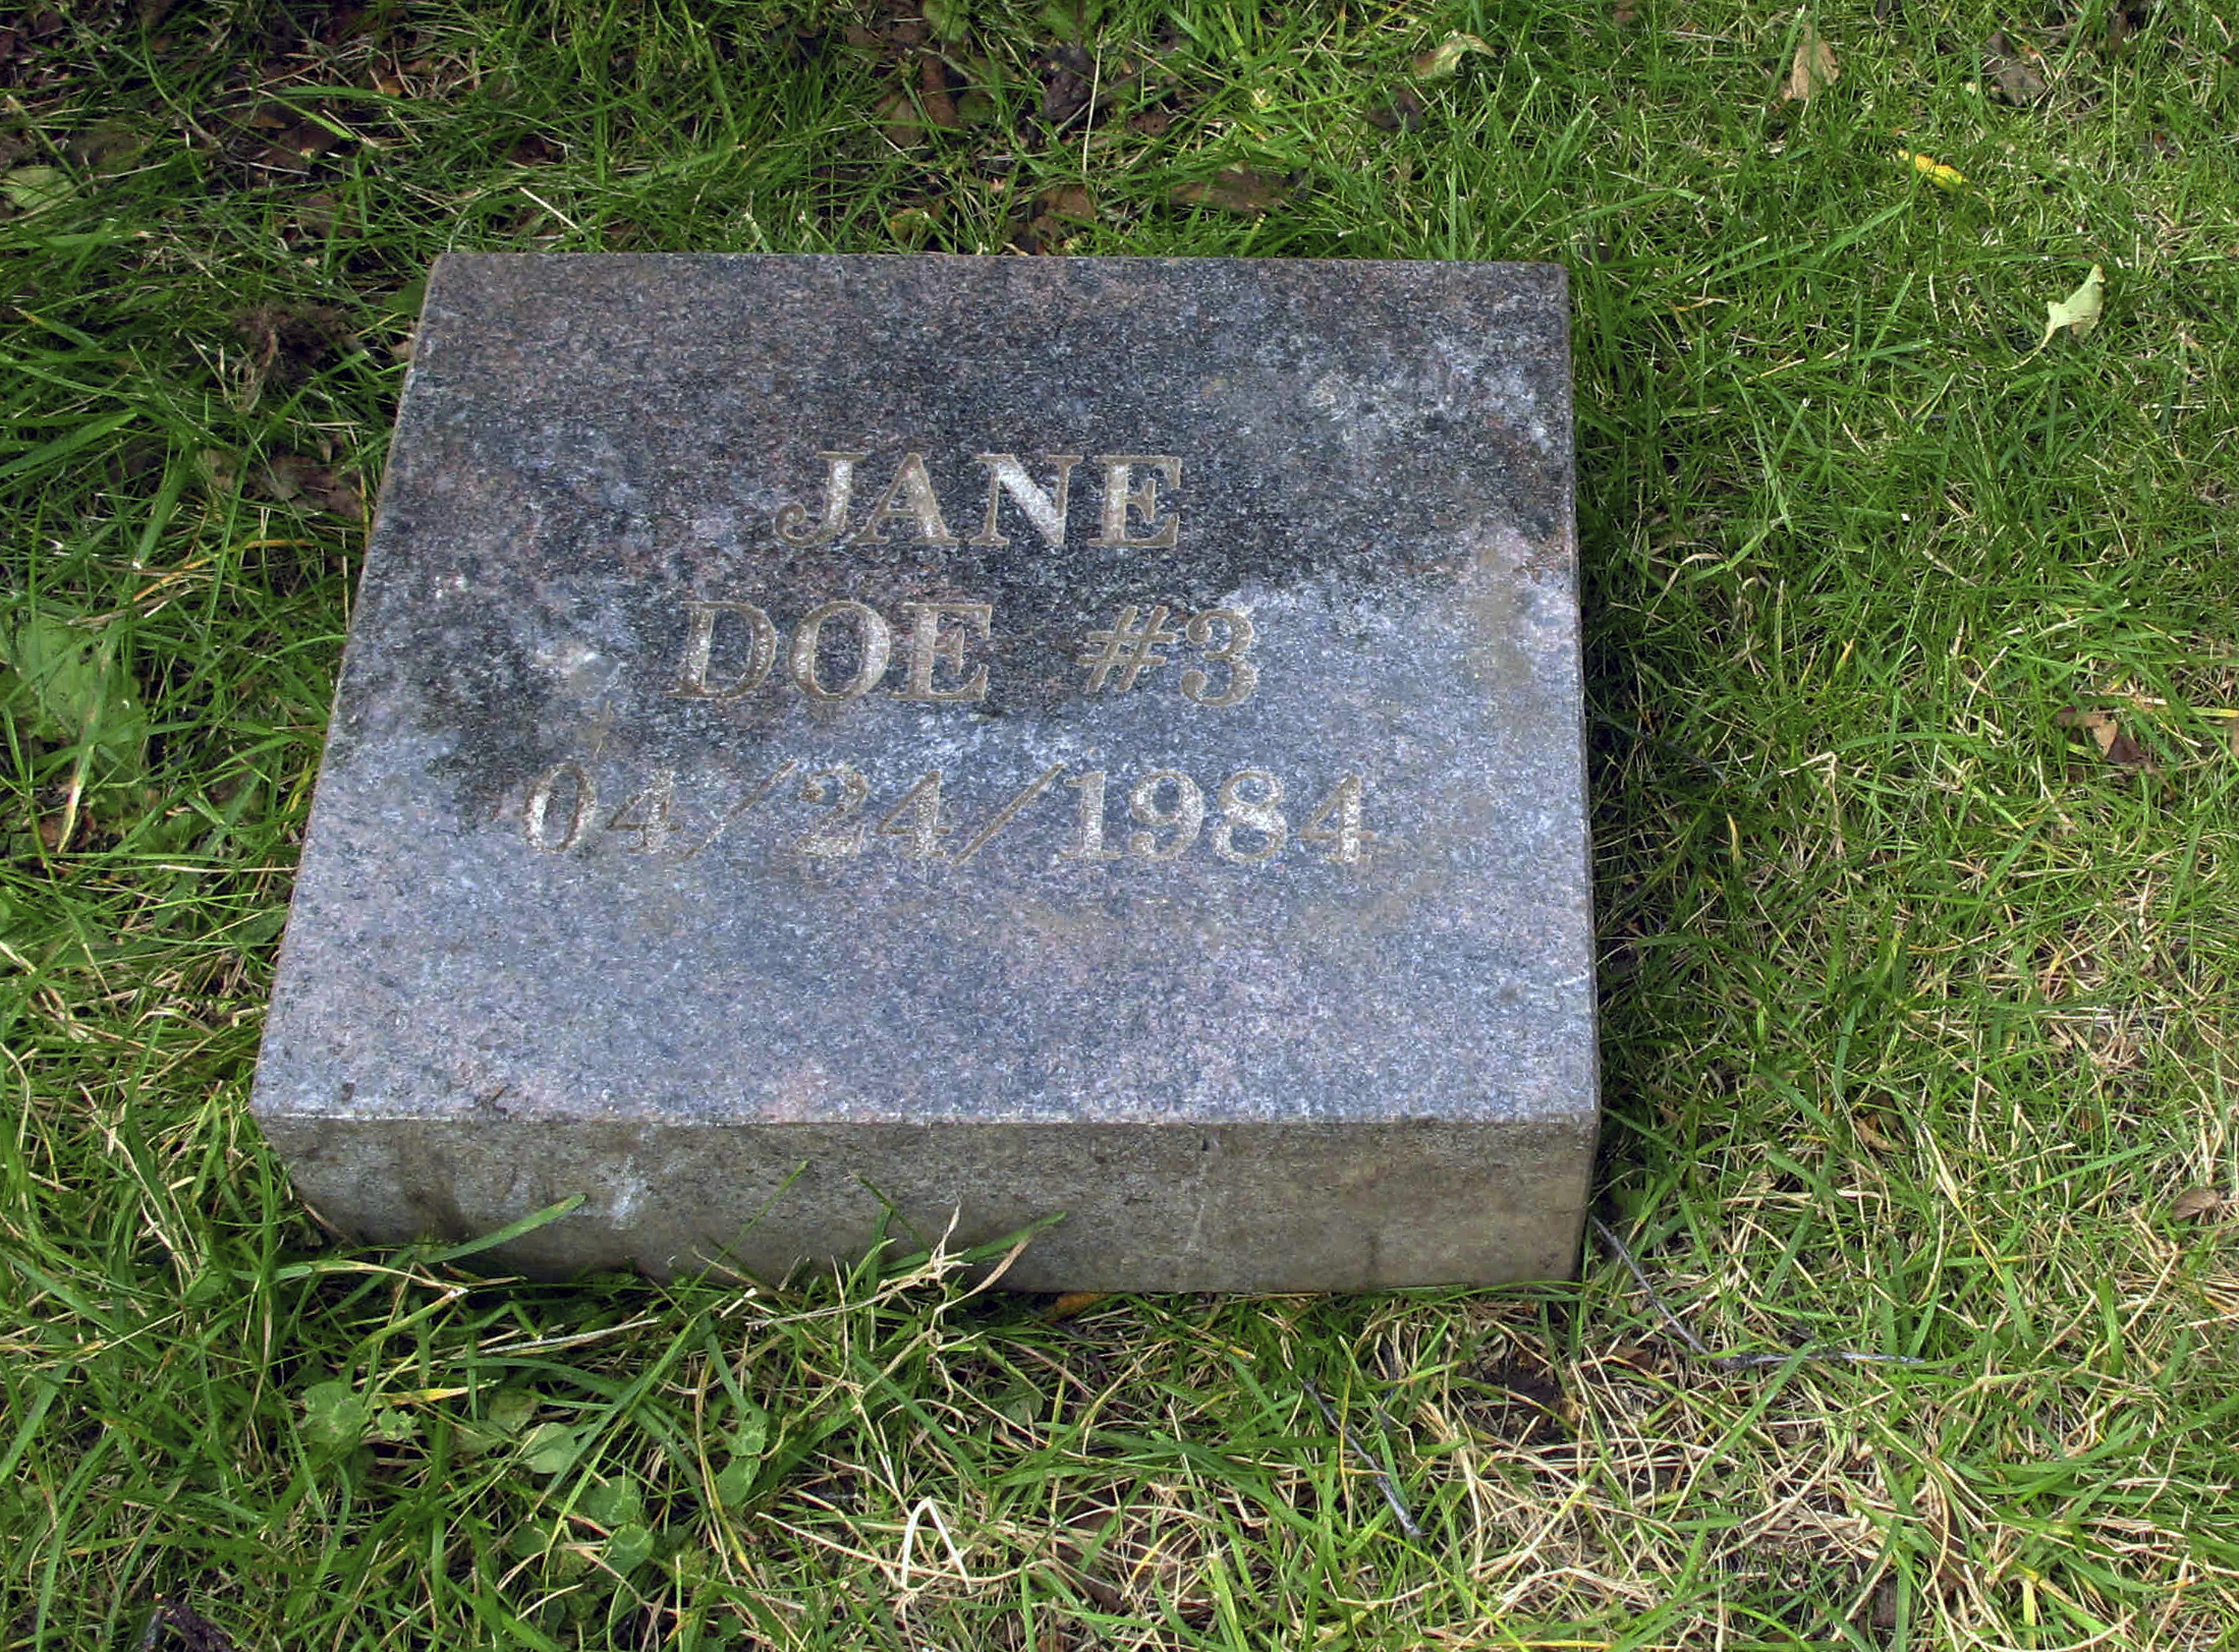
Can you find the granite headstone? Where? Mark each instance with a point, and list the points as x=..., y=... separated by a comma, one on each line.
x=831, y=746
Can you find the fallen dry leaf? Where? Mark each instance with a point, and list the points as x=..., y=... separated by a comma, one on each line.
x=2078, y=312
x=285, y=139
x=1070, y=201
x=317, y=215
x=2106, y=731
x=292, y=340
x=932, y=92
x=910, y=226
x=2125, y=753
x=289, y=478
x=35, y=188
x=2123, y=23
x=2195, y=1204
x=174, y=1624
x=1943, y=176
x=2102, y=726
x=65, y=828
x=221, y=470
x=1402, y=113
x=900, y=119
x=107, y=149
x=1237, y=190
x=949, y=19
x=1069, y=74
x=1446, y=56
x=1056, y=214
x=1814, y=69
x=1646, y=1361
x=1882, y=1611
x=1071, y=1302
x=2013, y=78
x=288, y=343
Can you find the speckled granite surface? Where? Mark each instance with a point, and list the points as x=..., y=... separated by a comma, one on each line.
x=993, y=736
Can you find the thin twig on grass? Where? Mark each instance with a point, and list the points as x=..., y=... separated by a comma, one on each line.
x=1701, y=1350
x=1347, y=1437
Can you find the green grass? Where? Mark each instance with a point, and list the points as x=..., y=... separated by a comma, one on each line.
x=1917, y=1009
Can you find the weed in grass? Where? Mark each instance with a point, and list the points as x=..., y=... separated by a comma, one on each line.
x=1915, y=1006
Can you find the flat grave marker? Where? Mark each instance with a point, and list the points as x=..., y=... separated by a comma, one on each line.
x=835, y=745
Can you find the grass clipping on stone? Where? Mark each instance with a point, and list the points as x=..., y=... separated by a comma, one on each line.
x=1916, y=976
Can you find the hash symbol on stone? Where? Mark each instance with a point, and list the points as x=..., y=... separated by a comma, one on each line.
x=1112, y=649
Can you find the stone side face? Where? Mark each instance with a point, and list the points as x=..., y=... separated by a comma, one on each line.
x=1016, y=735
x=1166, y=1207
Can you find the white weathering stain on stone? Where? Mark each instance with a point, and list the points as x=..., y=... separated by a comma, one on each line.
x=626, y=1188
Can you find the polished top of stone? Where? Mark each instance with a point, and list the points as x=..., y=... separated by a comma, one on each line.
x=908, y=688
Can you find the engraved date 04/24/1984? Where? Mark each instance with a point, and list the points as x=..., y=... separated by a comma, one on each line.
x=1166, y=814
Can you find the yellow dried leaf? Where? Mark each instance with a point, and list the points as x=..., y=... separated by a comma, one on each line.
x=1943, y=176
x=2078, y=312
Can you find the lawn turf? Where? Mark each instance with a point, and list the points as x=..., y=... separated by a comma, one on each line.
x=1915, y=718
